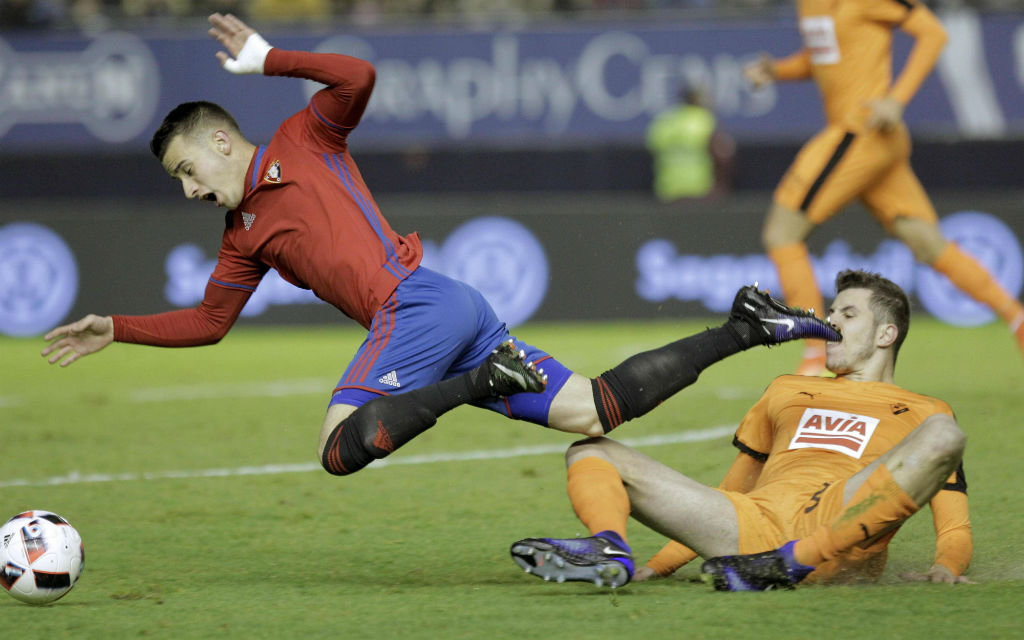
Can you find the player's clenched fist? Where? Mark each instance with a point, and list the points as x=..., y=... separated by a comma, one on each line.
x=761, y=72
x=72, y=341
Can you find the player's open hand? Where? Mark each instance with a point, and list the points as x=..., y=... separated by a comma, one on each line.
x=247, y=50
x=72, y=341
x=884, y=114
x=760, y=73
x=938, y=573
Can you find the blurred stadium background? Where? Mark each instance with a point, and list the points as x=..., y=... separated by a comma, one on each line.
x=510, y=134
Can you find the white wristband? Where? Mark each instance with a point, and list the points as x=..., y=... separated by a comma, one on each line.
x=251, y=57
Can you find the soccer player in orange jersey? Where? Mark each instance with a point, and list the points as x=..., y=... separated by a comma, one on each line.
x=864, y=150
x=828, y=469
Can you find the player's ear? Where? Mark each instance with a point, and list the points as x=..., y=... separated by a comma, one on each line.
x=886, y=335
x=222, y=141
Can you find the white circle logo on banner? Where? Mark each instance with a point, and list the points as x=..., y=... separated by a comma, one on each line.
x=503, y=260
x=994, y=245
x=38, y=279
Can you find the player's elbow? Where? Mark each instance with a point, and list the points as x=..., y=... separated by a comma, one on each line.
x=363, y=74
x=946, y=440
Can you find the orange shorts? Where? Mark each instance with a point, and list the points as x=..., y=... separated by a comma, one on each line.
x=765, y=523
x=837, y=166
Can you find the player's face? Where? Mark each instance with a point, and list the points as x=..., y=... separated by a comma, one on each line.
x=851, y=314
x=204, y=167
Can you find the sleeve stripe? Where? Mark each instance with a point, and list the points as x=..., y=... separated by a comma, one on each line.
x=961, y=481
x=756, y=455
x=256, y=167
x=230, y=285
x=321, y=118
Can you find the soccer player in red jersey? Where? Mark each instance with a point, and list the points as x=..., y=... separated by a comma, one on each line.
x=299, y=205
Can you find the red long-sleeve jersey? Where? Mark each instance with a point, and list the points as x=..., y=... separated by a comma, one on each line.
x=306, y=212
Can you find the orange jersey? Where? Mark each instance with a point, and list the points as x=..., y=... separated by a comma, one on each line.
x=848, y=52
x=814, y=430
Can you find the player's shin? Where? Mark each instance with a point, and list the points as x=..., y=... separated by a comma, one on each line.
x=598, y=496
x=647, y=379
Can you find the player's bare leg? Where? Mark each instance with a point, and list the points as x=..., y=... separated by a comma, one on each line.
x=783, y=237
x=607, y=482
x=925, y=240
x=639, y=384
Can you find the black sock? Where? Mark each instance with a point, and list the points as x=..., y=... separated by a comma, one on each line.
x=647, y=379
x=384, y=424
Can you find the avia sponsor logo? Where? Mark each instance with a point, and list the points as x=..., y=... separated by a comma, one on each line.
x=664, y=274
x=112, y=87
x=834, y=430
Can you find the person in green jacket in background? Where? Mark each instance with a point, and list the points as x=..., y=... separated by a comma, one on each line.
x=692, y=157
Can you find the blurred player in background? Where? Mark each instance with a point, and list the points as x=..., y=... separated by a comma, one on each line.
x=692, y=155
x=864, y=150
x=299, y=205
x=834, y=466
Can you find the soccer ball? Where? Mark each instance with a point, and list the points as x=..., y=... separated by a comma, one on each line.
x=41, y=556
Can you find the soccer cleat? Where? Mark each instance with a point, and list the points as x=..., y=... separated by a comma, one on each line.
x=604, y=559
x=776, y=323
x=509, y=373
x=776, y=569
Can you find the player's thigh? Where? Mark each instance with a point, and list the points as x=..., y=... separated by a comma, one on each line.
x=668, y=501
x=415, y=339
x=784, y=226
x=831, y=170
x=572, y=408
x=899, y=202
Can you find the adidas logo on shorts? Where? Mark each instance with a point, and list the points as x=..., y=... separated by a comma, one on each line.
x=390, y=378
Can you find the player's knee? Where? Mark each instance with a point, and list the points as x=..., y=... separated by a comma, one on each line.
x=944, y=439
x=346, y=450
x=783, y=227
x=588, y=448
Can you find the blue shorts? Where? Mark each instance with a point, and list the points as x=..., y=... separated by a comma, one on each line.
x=433, y=328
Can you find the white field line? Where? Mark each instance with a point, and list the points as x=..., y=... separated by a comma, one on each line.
x=304, y=467
x=273, y=388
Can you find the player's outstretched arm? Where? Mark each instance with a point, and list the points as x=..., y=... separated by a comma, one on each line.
x=247, y=50
x=70, y=342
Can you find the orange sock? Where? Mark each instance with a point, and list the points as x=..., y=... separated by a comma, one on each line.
x=800, y=288
x=877, y=506
x=598, y=495
x=973, y=279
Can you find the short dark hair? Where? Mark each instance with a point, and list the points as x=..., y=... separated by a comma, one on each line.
x=187, y=118
x=888, y=302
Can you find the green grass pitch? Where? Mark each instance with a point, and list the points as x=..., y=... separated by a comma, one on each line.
x=191, y=475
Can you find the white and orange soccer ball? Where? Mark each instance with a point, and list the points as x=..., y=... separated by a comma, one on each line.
x=41, y=556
